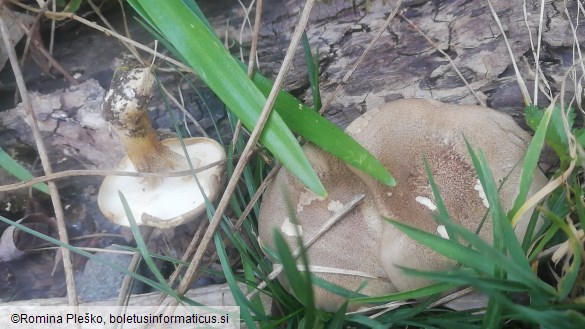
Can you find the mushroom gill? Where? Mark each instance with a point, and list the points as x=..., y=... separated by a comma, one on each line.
x=160, y=202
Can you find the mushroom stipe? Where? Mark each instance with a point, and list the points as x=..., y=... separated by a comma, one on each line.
x=400, y=134
x=163, y=202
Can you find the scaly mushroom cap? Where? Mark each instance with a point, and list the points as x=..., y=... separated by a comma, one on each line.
x=168, y=201
x=400, y=134
x=351, y=244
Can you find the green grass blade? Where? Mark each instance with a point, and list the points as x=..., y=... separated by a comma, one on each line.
x=311, y=126
x=436, y=194
x=336, y=289
x=141, y=245
x=72, y=6
x=568, y=281
x=482, y=259
x=556, y=136
x=249, y=275
x=429, y=290
x=579, y=204
x=239, y=297
x=365, y=321
x=338, y=320
x=313, y=70
x=440, y=203
x=529, y=234
x=204, y=52
x=466, y=276
x=461, y=254
x=321, y=132
x=530, y=163
x=18, y=171
x=89, y=255
x=197, y=11
x=300, y=282
x=544, y=241
x=493, y=315
x=503, y=233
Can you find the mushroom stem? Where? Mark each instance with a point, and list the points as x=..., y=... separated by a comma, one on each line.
x=165, y=202
x=125, y=107
x=145, y=150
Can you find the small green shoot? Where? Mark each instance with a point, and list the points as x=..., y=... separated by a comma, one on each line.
x=313, y=71
x=18, y=171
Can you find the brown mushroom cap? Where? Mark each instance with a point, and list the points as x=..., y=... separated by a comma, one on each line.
x=351, y=244
x=169, y=201
x=400, y=134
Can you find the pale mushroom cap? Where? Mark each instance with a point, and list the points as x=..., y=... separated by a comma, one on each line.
x=400, y=134
x=351, y=244
x=169, y=201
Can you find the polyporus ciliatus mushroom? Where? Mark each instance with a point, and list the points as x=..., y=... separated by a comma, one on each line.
x=400, y=134
x=160, y=202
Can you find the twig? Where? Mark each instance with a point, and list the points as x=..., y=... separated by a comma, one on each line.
x=41, y=48
x=577, y=49
x=188, y=253
x=328, y=224
x=127, y=283
x=252, y=58
x=360, y=59
x=182, y=108
x=521, y=84
x=537, y=57
x=250, y=72
x=184, y=259
x=452, y=296
x=52, y=14
x=62, y=229
x=256, y=32
x=256, y=196
x=547, y=252
x=243, y=26
x=74, y=173
x=255, y=135
x=53, y=27
x=32, y=28
x=130, y=48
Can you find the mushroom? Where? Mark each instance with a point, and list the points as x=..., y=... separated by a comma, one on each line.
x=351, y=245
x=401, y=134
x=159, y=202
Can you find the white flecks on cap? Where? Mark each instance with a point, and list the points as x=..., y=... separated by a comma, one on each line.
x=289, y=229
x=426, y=202
x=442, y=231
x=306, y=198
x=482, y=195
x=334, y=206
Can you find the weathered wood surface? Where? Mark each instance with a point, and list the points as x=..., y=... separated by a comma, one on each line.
x=404, y=64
